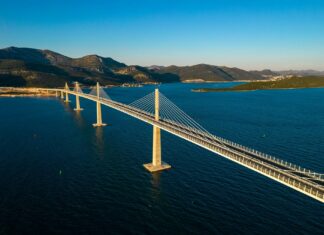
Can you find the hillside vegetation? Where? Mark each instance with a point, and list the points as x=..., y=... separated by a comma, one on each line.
x=210, y=73
x=44, y=68
x=288, y=83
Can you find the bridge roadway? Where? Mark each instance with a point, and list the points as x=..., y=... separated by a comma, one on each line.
x=308, y=183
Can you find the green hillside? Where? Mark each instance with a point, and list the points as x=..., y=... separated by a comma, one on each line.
x=211, y=73
x=288, y=83
x=34, y=67
x=43, y=68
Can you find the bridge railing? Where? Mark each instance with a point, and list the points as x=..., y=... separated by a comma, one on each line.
x=286, y=164
x=303, y=184
x=271, y=170
x=309, y=188
x=268, y=157
x=265, y=156
x=207, y=136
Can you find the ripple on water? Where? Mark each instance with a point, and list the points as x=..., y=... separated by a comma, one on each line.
x=59, y=175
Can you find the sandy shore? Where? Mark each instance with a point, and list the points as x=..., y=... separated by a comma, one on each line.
x=17, y=92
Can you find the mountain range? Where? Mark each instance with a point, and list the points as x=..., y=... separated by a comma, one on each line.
x=40, y=68
x=45, y=68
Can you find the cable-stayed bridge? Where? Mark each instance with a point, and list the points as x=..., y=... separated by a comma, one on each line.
x=163, y=114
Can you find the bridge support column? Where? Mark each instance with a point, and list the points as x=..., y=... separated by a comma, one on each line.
x=77, y=98
x=157, y=164
x=62, y=95
x=66, y=93
x=99, y=115
x=66, y=98
x=77, y=102
x=56, y=94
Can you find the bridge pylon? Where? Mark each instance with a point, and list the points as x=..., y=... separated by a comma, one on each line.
x=66, y=93
x=99, y=114
x=157, y=164
x=77, y=98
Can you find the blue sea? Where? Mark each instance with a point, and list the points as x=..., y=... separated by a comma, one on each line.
x=60, y=175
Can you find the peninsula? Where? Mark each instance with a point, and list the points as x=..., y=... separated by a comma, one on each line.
x=287, y=83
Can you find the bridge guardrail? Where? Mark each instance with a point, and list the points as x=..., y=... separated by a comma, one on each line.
x=289, y=165
x=286, y=164
x=204, y=139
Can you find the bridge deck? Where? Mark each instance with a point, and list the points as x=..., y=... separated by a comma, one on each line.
x=307, y=182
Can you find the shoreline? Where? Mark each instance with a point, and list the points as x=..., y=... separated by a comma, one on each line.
x=12, y=92
x=26, y=95
x=202, y=81
x=284, y=84
x=232, y=90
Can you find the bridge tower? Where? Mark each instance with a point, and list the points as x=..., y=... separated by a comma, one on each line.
x=99, y=115
x=157, y=164
x=77, y=98
x=66, y=93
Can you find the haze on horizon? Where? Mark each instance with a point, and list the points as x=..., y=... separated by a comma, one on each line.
x=276, y=34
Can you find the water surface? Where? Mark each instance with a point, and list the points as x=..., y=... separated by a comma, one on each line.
x=59, y=175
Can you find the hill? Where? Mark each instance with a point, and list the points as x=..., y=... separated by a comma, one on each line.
x=288, y=83
x=44, y=68
x=265, y=73
x=309, y=72
x=207, y=73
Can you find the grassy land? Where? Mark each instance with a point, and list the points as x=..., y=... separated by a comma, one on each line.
x=288, y=83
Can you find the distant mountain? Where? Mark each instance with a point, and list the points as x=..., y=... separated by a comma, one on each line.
x=155, y=67
x=265, y=73
x=30, y=55
x=301, y=72
x=205, y=72
x=33, y=67
x=44, y=68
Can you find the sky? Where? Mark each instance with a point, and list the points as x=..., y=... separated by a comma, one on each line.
x=249, y=34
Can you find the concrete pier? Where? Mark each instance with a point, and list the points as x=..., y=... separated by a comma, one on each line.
x=66, y=93
x=99, y=114
x=77, y=102
x=77, y=98
x=99, y=117
x=157, y=164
